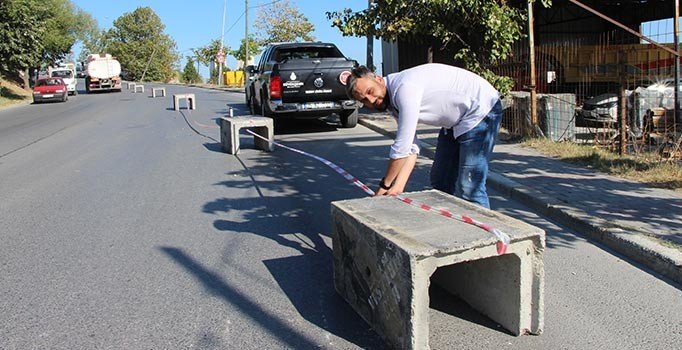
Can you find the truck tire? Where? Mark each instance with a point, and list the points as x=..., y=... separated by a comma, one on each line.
x=349, y=118
x=252, y=105
x=263, y=109
x=87, y=85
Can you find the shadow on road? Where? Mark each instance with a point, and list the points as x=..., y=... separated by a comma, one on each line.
x=217, y=286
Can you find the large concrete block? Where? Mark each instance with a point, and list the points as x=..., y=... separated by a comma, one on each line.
x=160, y=90
x=229, y=132
x=191, y=101
x=386, y=253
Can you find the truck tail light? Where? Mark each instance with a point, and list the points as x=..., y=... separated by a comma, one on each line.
x=275, y=87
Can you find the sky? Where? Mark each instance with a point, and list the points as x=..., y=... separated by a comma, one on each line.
x=195, y=23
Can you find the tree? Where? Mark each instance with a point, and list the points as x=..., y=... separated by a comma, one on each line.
x=482, y=34
x=20, y=30
x=254, y=49
x=207, y=55
x=138, y=41
x=62, y=27
x=94, y=39
x=190, y=74
x=281, y=21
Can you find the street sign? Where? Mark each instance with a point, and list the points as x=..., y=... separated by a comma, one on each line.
x=220, y=57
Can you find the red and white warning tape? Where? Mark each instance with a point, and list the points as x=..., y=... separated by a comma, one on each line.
x=503, y=238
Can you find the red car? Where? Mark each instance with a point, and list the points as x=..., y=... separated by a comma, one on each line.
x=50, y=89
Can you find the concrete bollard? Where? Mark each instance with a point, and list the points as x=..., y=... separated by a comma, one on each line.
x=191, y=101
x=229, y=132
x=160, y=90
x=139, y=88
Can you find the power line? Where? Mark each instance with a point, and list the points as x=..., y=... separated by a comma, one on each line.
x=251, y=7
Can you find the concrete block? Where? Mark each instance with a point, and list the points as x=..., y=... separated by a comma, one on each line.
x=162, y=91
x=229, y=132
x=131, y=85
x=191, y=101
x=386, y=253
x=139, y=88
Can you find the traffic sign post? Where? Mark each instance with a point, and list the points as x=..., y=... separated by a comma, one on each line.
x=220, y=59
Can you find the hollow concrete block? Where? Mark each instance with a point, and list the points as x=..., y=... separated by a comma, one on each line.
x=386, y=253
x=191, y=101
x=229, y=132
x=161, y=90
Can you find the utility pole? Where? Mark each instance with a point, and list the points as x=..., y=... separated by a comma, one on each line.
x=220, y=52
x=246, y=37
x=370, y=43
x=676, y=26
x=531, y=59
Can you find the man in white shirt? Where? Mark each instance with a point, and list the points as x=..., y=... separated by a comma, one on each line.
x=463, y=104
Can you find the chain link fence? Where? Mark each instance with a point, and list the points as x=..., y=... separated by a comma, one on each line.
x=587, y=81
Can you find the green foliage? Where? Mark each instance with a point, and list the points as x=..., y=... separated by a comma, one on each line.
x=20, y=30
x=61, y=21
x=94, y=40
x=190, y=74
x=478, y=33
x=138, y=41
x=254, y=49
x=281, y=21
x=207, y=54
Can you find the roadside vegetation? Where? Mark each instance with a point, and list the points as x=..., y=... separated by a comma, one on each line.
x=483, y=32
x=37, y=33
x=645, y=168
x=11, y=93
x=281, y=21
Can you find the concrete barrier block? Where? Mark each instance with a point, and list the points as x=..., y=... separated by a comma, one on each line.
x=191, y=101
x=131, y=85
x=162, y=91
x=229, y=132
x=386, y=253
x=139, y=88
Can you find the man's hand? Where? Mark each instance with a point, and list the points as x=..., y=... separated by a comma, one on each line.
x=397, y=174
x=380, y=192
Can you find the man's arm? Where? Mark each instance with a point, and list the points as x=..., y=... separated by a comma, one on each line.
x=397, y=174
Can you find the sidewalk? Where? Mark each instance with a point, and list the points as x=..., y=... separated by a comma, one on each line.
x=640, y=222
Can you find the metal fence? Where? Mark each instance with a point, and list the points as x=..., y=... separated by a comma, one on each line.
x=586, y=81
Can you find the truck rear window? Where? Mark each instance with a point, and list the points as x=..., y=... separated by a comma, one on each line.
x=62, y=74
x=307, y=52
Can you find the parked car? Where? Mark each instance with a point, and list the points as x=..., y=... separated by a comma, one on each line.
x=301, y=80
x=50, y=89
x=601, y=109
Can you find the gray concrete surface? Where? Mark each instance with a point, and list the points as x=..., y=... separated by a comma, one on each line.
x=385, y=252
x=124, y=226
x=627, y=216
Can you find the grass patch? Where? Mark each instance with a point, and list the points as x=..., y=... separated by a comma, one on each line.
x=11, y=94
x=645, y=168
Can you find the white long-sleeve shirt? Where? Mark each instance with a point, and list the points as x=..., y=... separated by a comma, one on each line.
x=439, y=95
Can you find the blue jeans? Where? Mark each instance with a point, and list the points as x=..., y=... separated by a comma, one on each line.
x=460, y=166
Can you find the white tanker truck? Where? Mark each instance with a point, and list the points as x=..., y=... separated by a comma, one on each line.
x=102, y=73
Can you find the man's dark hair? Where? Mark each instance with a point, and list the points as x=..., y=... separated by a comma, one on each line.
x=355, y=73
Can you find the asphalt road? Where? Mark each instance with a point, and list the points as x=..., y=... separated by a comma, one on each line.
x=123, y=226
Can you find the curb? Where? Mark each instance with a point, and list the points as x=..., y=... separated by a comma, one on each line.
x=628, y=241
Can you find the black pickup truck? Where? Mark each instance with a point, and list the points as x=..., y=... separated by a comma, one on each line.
x=301, y=80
